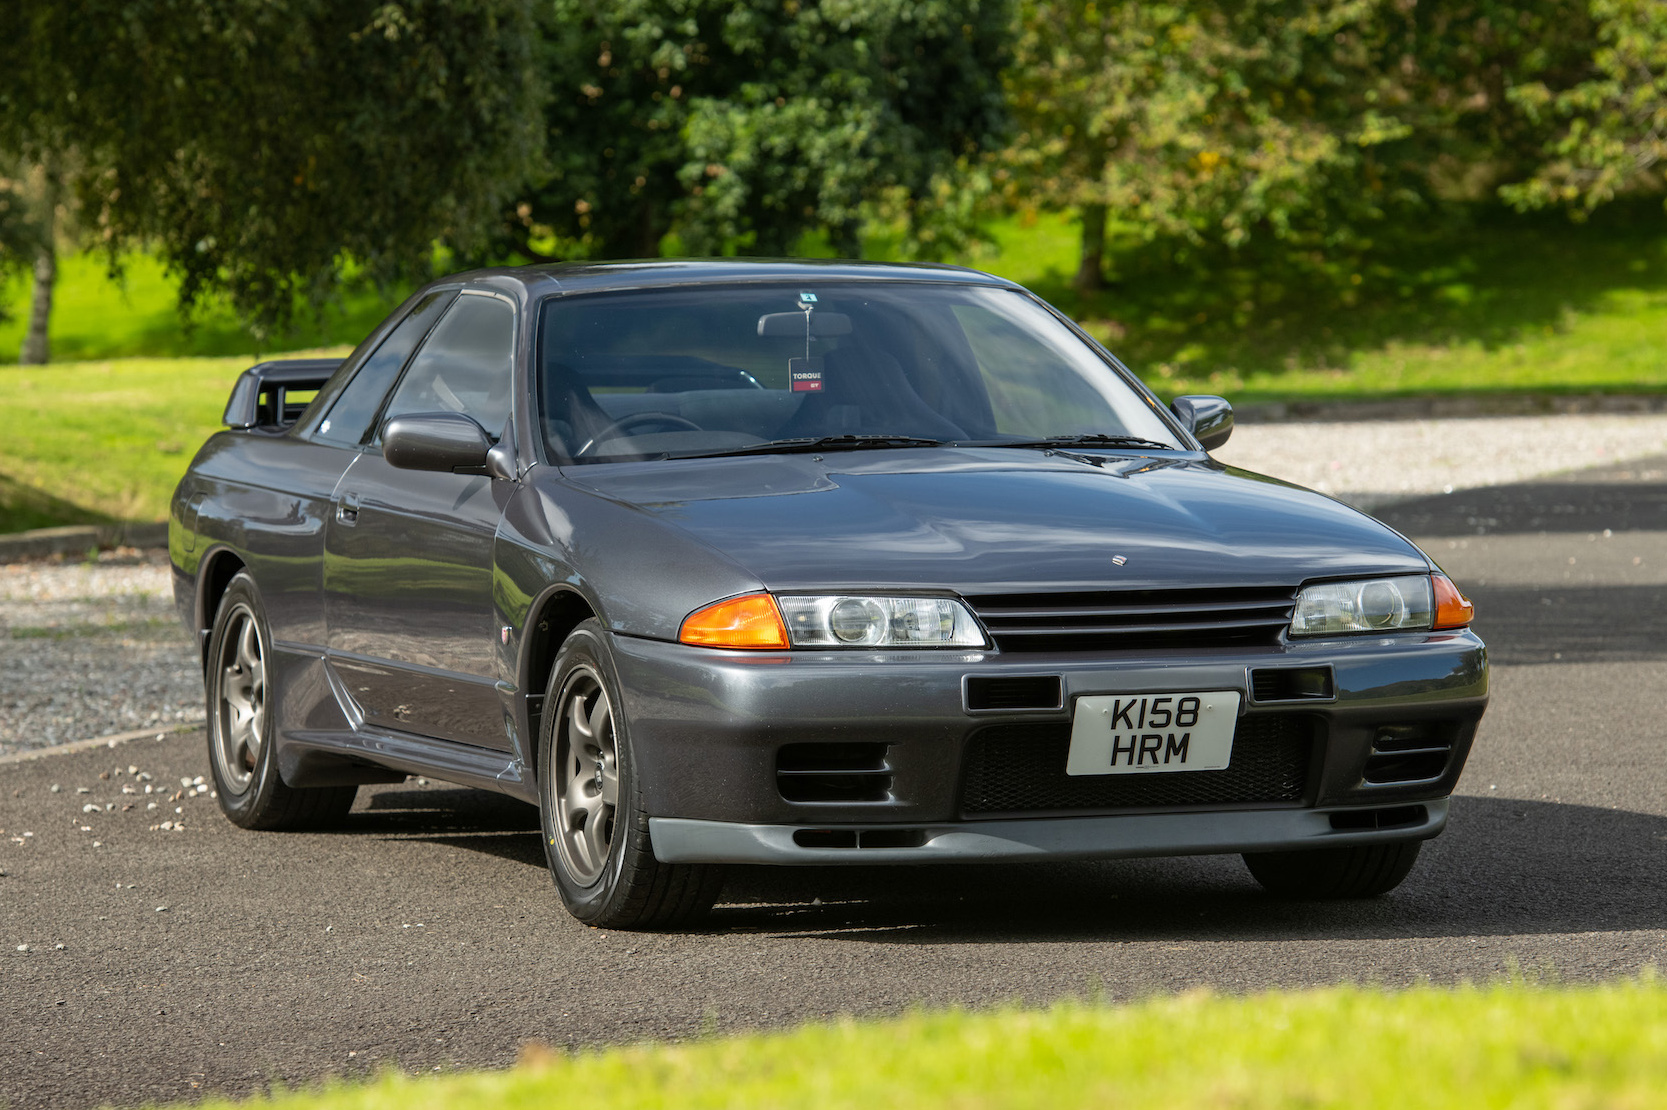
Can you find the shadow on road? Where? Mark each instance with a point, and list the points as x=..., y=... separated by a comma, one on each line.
x=477, y=820
x=1630, y=497
x=1504, y=867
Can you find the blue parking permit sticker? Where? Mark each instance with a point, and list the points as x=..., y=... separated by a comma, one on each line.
x=807, y=298
x=804, y=375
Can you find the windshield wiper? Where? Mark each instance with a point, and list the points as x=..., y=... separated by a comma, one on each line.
x=1089, y=439
x=815, y=443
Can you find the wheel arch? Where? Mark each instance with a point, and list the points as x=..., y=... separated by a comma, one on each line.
x=219, y=567
x=550, y=621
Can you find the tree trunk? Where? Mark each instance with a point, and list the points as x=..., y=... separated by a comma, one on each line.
x=1091, y=274
x=37, y=345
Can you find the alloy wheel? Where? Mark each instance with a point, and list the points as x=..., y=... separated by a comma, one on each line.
x=586, y=783
x=240, y=717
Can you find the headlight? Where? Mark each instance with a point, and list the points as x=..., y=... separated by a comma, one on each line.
x=1367, y=605
x=842, y=620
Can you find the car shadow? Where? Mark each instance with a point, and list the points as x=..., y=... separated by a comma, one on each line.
x=1503, y=867
x=475, y=820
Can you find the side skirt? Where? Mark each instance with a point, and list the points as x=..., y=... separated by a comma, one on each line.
x=315, y=758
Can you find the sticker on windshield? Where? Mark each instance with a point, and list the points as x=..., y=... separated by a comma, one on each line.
x=804, y=375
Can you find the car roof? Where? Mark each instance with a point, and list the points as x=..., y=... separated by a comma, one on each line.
x=574, y=277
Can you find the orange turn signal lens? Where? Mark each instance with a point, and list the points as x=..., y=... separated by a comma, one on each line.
x=1452, y=609
x=751, y=622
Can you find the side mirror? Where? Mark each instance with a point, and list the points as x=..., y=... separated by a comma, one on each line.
x=1209, y=419
x=443, y=441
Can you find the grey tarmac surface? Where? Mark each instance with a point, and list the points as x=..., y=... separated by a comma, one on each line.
x=426, y=934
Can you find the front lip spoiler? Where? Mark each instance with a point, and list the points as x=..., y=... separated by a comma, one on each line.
x=682, y=840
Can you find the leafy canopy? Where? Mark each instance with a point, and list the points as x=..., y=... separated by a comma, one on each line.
x=742, y=124
x=256, y=145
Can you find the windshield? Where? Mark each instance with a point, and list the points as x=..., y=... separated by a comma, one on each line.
x=716, y=369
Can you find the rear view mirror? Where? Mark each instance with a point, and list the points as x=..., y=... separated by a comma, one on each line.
x=443, y=441
x=823, y=325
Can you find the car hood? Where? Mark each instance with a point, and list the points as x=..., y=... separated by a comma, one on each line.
x=991, y=520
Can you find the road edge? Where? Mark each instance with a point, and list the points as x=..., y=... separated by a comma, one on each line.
x=112, y=741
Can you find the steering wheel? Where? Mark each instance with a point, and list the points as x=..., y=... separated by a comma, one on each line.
x=631, y=420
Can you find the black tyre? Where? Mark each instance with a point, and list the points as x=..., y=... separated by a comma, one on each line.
x=595, y=830
x=1363, y=871
x=242, y=722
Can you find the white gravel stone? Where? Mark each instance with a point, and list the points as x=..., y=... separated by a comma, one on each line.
x=92, y=649
x=1375, y=462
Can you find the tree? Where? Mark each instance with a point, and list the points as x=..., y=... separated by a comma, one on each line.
x=742, y=124
x=1607, y=126
x=1298, y=127
x=28, y=205
x=256, y=145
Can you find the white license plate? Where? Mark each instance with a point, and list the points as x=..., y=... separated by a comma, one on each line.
x=1139, y=734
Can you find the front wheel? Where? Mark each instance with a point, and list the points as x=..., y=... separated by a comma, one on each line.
x=595, y=831
x=241, y=725
x=1361, y=871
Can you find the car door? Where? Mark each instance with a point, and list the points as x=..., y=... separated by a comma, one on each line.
x=408, y=554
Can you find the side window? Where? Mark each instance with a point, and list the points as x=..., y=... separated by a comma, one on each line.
x=466, y=365
x=349, y=418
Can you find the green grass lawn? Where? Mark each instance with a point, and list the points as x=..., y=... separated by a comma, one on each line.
x=1516, y=1046
x=88, y=442
x=1498, y=305
x=1494, y=306
x=95, y=317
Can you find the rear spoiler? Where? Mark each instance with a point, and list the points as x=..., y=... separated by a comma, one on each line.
x=260, y=399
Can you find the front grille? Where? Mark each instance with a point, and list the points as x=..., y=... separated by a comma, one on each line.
x=1019, y=768
x=1136, y=619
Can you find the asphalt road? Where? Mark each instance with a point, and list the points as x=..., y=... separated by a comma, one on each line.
x=143, y=965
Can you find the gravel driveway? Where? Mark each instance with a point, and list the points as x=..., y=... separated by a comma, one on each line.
x=90, y=649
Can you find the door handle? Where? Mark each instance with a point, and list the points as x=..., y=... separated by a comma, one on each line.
x=347, y=508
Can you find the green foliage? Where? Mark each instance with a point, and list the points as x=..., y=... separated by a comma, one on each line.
x=1610, y=127
x=1514, y=1045
x=255, y=144
x=1299, y=137
x=740, y=126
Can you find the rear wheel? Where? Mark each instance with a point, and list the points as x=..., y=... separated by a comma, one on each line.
x=1361, y=871
x=595, y=830
x=241, y=724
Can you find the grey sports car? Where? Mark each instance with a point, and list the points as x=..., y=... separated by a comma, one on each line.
x=804, y=563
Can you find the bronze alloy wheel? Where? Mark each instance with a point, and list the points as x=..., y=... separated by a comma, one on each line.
x=240, y=717
x=586, y=768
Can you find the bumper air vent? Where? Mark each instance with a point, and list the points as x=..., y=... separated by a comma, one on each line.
x=850, y=772
x=859, y=838
x=1136, y=620
x=1409, y=753
x=1292, y=684
x=1016, y=692
x=1393, y=818
x=1020, y=769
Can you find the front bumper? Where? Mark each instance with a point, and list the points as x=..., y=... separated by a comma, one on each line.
x=706, y=727
x=678, y=840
